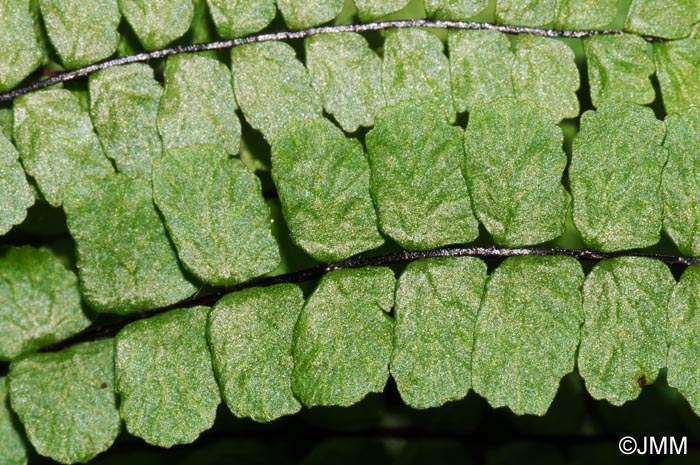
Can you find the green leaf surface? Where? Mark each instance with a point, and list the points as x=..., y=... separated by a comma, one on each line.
x=437, y=301
x=6, y=122
x=513, y=166
x=615, y=177
x=544, y=73
x=12, y=448
x=124, y=106
x=292, y=258
x=480, y=65
x=619, y=69
x=531, y=13
x=157, y=23
x=372, y=10
x=346, y=73
x=669, y=19
x=680, y=185
x=250, y=334
x=16, y=195
x=586, y=14
x=454, y=10
x=41, y=301
x=623, y=339
x=125, y=260
x=416, y=70
x=527, y=332
x=322, y=179
x=272, y=87
x=301, y=14
x=56, y=142
x=677, y=66
x=66, y=400
x=202, y=28
x=683, y=345
x=20, y=52
x=220, y=227
x=81, y=32
x=421, y=198
x=343, y=338
x=164, y=377
x=198, y=106
x=237, y=18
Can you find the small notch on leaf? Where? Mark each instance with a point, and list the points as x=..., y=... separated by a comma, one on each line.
x=642, y=381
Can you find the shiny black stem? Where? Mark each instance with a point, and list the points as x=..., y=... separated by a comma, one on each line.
x=291, y=35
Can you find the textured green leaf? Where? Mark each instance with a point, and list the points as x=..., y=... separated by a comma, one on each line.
x=680, y=185
x=372, y=10
x=615, y=177
x=66, y=400
x=300, y=14
x=164, y=377
x=683, y=326
x=20, y=52
x=619, y=69
x=566, y=415
x=157, y=22
x=41, y=301
x=292, y=258
x=124, y=106
x=250, y=335
x=56, y=142
x=202, y=28
x=514, y=164
x=16, y=195
x=6, y=122
x=125, y=259
x=198, y=106
x=343, y=338
x=220, y=227
x=623, y=339
x=347, y=75
x=454, y=10
x=670, y=19
x=80, y=31
x=527, y=332
x=322, y=179
x=416, y=70
x=677, y=67
x=480, y=64
x=530, y=13
x=272, y=87
x=421, y=198
x=544, y=73
x=12, y=448
x=586, y=14
x=237, y=18
x=366, y=414
x=437, y=301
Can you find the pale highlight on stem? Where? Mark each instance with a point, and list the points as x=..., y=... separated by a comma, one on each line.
x=97, y=331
